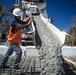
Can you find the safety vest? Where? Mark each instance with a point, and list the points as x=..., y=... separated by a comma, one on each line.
x=15, y=38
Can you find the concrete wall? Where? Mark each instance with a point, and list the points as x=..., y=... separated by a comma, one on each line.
x=27, y=51
x=69, y=51
x=3, y=50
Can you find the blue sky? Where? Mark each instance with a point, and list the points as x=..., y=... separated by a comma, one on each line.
x=60, y=10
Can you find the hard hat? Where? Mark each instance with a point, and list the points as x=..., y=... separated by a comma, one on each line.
x=17, y=12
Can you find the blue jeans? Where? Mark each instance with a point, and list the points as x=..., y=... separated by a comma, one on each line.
x=9, y=52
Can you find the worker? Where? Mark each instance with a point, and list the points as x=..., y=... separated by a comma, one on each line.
x=14, y=40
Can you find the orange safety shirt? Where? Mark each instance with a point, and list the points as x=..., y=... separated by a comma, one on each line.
x=15, y=38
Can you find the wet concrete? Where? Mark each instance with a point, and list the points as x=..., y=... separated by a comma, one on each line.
x=49, y=50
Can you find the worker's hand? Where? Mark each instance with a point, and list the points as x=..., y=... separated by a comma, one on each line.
x=30, y=21
x=27, y=19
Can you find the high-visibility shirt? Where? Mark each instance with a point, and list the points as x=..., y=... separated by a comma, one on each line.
x=15, y=34
x=15, y=37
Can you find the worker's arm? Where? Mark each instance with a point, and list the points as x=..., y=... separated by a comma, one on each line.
x=25, y=25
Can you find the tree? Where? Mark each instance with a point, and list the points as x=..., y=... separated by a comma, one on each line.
x=1, y=10
x=4, y=18
x=72, y=32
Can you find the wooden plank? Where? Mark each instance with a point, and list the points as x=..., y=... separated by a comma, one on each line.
x=70, y=61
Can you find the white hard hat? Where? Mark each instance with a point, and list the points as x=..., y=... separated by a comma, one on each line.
x=17, y=12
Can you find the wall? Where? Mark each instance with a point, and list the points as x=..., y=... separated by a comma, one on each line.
x=69, y=51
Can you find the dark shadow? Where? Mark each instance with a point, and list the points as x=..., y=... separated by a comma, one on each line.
x=4, y=38
x=37, y=37
x=67, y=69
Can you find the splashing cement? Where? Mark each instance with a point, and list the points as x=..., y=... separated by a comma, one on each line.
x=49, y=50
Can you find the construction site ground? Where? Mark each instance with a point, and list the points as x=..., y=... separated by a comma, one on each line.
x=31, y=66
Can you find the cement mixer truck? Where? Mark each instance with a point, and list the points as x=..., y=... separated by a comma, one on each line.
x=29, y=9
